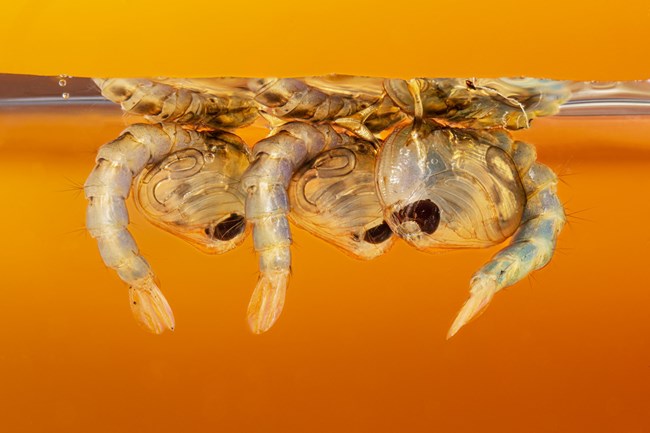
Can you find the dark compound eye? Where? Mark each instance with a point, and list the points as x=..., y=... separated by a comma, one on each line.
x=227, y=229
x=378, y=234
x=425, y=213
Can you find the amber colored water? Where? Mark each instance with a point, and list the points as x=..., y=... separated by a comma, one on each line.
x=361, y=345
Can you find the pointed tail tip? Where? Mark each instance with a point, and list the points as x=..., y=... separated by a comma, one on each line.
x=267, y=301
x=259, y=323
x=465, y=314
x=154, y=322
x=150, y=308
x=455, y=327
x=481, y=295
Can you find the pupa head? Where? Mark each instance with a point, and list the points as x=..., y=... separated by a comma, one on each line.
x=194, y=193
x=449, y=188
x=334, y=197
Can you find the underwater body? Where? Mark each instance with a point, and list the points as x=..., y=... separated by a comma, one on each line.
x=543, y=341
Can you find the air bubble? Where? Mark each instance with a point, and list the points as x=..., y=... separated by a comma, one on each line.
x=209, y=157
x=63, y=81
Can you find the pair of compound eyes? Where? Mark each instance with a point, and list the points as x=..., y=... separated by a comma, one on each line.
x=335, y=197
x=423, y=213
x=234, y=225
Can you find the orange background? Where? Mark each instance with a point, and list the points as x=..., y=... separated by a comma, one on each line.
x=582, y=40
x=361, y=345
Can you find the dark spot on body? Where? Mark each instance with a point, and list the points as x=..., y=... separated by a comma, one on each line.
x=148, y=108
x=425, y=213
x=378, y=234
x=120, y=91
x=302, y=111
x=227, y=229
x=470, y=85
x=271, y=99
